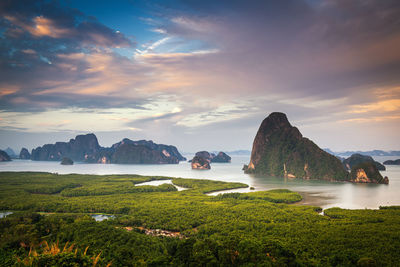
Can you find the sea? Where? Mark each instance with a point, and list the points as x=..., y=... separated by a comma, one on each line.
x=315, y=192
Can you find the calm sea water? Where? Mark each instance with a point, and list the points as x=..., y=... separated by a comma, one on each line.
x=319, y=193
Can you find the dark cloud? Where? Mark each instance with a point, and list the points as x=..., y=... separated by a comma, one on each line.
x=38, y=19
x=71, y=80
x=33, y=35
x=20, y=102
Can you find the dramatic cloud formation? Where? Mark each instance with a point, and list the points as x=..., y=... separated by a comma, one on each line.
x=204, y=73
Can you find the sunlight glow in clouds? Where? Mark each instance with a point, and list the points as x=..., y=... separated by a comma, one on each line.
x=179, y=71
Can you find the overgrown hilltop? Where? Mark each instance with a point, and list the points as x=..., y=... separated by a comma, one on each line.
x=279, y=149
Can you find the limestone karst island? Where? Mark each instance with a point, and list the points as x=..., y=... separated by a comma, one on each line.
x=209, y=133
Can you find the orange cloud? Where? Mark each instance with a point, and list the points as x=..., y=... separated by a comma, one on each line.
x=383, y=106
x=29, y=51
x=46, y=27
x=42, y=27
x=372, y=119
x=8, y=90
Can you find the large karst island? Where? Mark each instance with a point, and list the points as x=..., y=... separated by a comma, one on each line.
x=279, y=149
x=86, y=148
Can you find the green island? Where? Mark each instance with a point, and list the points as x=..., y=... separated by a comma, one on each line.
x=51, y=224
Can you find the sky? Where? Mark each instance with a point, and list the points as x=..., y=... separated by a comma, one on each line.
x=200, y=75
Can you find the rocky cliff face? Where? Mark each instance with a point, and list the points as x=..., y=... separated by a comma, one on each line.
x=367, y=172
x=168, y=151
x=4, y=156
x=102, y=156
x=129, y=153
x=356, y=159
x=24, y=154
x=205, y=154
x=200, y=163
x=77, y=149
x=141, y=152
x=279, y=149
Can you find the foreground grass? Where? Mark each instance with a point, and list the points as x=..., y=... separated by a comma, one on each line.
x=236, y=229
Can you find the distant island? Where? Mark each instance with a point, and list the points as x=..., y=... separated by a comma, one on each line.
x=237, y=152
x=24, y=154
x=366, y=153
x=10, y=152
x=85, y=148
x=392, y=162
x=279, y=149
x=4, y=156
x=202, y=159
x=356, y=159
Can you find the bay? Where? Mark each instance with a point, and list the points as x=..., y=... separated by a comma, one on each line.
x=319, y=193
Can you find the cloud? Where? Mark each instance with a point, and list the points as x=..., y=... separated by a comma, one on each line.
x=42, y=19
x=221, y=63
x=48, y=57
x=382, y=106
x=371, y=119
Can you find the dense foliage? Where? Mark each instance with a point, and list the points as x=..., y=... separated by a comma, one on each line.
x=275, y=196
x=280, y=150
x=252, y=229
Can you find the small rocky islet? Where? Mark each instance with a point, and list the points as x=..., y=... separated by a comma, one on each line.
x=367, y=172
x=200, y=163
x=202, y=159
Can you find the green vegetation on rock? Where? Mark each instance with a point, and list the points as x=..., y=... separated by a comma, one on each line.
x=279, y=149
x=356, y=159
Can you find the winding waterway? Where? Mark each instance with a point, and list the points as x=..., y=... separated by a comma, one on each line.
x=319, y=193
